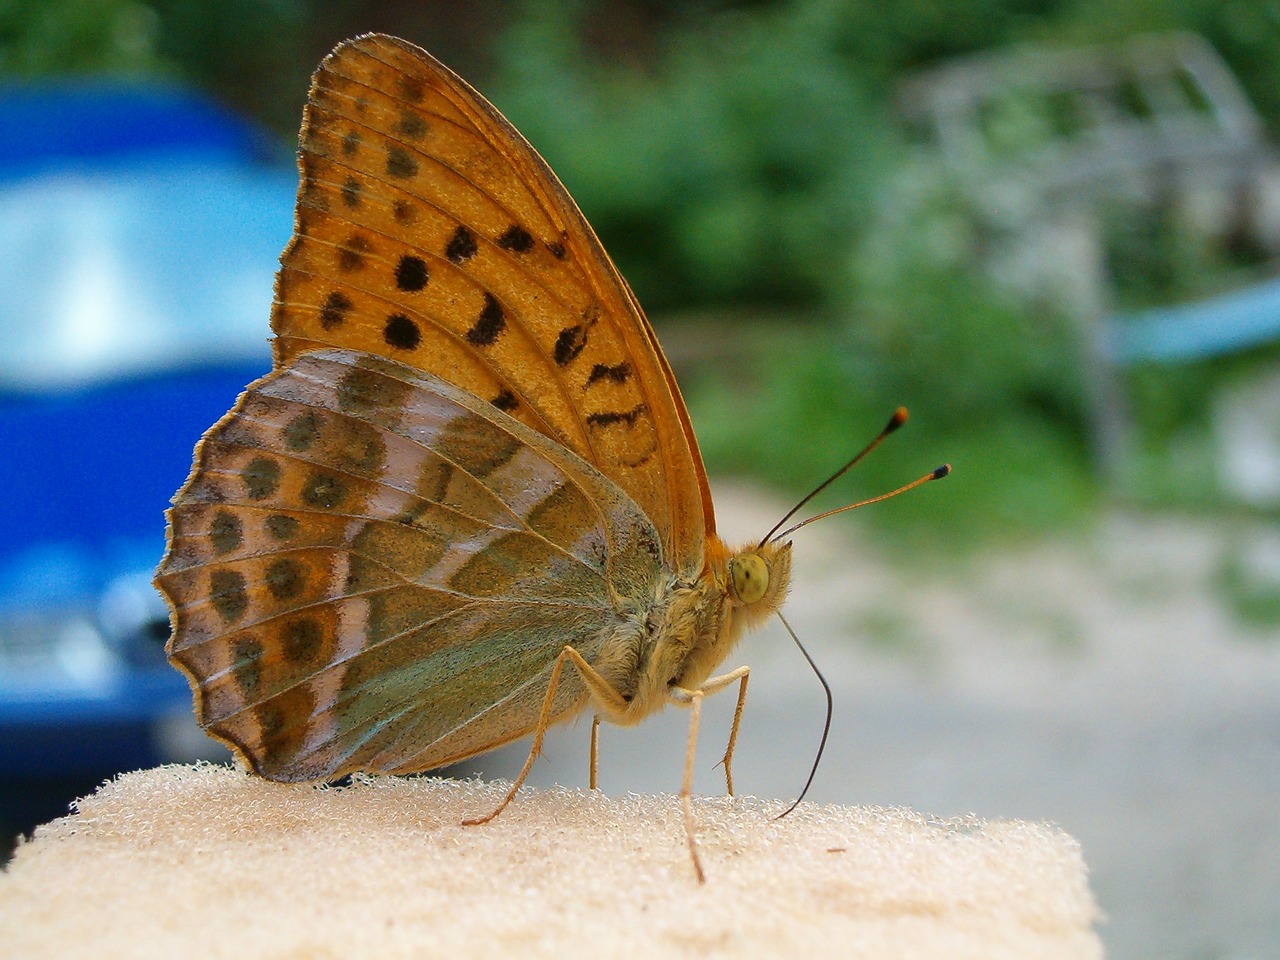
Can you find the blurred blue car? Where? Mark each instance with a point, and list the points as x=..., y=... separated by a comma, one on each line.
x=140, y=230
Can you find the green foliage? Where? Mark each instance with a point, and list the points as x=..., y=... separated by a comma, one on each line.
x=749, y=165
x=806, y=409
x=1155, y=257
x=57, y=37
x=995, y=383
x=1247, y=34
x=940, y=333
x=742, y=157
x=1249, y=585
x=1176, y=461
x=247, y=52
x=729, y=171
x=882, y=41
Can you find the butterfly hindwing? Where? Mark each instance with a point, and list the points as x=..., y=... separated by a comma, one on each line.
x=429, y=231
x=372, y=569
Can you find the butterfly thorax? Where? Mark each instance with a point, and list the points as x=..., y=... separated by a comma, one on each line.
x=695, y=623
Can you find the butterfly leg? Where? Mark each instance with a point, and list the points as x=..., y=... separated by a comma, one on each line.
x=717, y=683
x=600, y=690
x=693, y=700
x=607, y=700
x=595, y=748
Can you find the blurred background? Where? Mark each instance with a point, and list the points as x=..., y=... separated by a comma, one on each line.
x=1050, y=229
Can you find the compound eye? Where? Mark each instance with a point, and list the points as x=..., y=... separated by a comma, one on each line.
x=750, y=575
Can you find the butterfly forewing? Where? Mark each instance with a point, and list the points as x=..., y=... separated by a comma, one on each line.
x=372, y=569
x=430, y=232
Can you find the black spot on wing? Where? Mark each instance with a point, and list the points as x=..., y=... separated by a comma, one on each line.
x=569, y=344
x=302, y=431
x=404, y=213
x=225, y=531
x=489, y=325
x=351, y=253
x=461, y=246
x=245, y=667
x=411, y=125
x=228, y=594
x=400, y=164
x=333, y=312
x=411, y=274
x=613, y=417
x=516, y=239
x=505, y=401
x=351, y=192
x=303, y=640
x=261, y=478
x=323, y=490
x=617, y=373
x=370, y=396
x=282, y=526
x=285, y=578
x=401, y=332
x=410, y=88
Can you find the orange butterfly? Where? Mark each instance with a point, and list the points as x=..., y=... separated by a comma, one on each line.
x=470, y=466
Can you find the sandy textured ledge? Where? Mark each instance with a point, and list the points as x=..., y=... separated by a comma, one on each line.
x=208, y=862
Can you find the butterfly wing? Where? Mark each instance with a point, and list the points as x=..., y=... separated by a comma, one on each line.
x=371, y=569
x=429, y=231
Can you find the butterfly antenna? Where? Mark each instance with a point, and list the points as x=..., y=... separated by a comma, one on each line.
x=936, y=474
x=826, y=726
x=898, y=419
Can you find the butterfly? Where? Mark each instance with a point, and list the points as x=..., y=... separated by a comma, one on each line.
x=467, y=502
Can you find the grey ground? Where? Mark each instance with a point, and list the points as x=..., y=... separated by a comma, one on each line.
x=1100, y=683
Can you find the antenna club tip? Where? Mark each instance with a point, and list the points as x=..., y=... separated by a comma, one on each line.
x=898, y=419
x=941, y=472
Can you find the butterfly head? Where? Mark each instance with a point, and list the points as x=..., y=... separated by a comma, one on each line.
x=759, y=577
